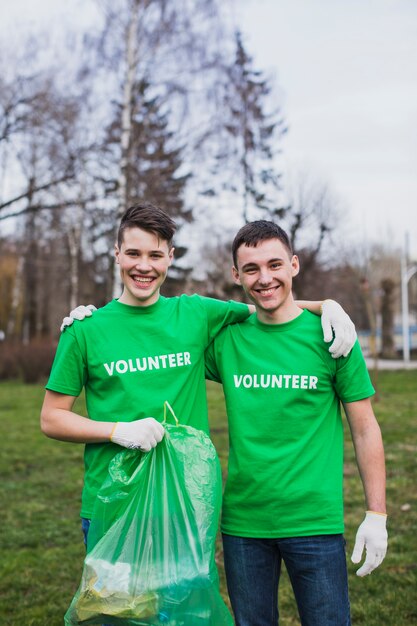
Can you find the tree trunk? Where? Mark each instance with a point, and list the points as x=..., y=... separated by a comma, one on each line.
x=387, y=313
x=30, y=274
x=131, y=60
x=74, y=237
x=12, y=329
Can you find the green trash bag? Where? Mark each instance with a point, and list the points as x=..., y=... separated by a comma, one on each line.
x=151, y=543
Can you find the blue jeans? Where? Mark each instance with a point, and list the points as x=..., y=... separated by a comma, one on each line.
x=85, y=527
x=317, y=570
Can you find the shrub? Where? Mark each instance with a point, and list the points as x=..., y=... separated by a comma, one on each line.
x=9, y=360
x=31, y=362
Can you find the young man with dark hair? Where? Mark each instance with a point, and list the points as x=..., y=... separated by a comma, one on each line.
x=133, y=354
x=283, y=499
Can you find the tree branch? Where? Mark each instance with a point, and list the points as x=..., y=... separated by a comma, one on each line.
x=36, y=189
x=49, y=207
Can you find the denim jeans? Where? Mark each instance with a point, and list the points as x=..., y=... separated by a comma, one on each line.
x=85, y=527
x=317, y=570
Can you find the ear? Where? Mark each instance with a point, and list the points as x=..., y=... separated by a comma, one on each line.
x=235, y=276
x=171, y=255
x=116, y=252
x=295, y=265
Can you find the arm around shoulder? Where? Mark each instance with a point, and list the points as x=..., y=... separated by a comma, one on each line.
x=334, y=320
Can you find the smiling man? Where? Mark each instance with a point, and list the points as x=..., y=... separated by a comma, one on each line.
x=133, y=354
x=283, y=499
x=144, y=259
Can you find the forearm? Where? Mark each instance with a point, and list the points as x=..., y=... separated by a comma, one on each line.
x=369, y=451
x=371, y=463
x=314, y=306
x=69, y=426
x=59, y=421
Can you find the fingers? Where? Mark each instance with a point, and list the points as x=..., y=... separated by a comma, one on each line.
x=357, y=550
x=372, y=561
x=80, y=312
x=327, y=328
x=335, y=319
x=366, y=568
x=345, y=337
x=67, y=321
x=143, y=434
x=338, y=346
x=153, y=433
x=144, y=446
x=374, y=556
x=351, y=337
x=149, y=443
x=372, y=535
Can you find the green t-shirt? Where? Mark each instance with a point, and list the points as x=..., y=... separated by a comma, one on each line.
x=282, y=390
x=131, y=359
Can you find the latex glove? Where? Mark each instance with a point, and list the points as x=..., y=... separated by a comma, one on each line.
x=78, y=313
x=334, y=317
x=143, y=434
x=372, y=535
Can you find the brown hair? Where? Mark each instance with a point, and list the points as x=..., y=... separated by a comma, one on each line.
x=149, y=217
x=261, y=230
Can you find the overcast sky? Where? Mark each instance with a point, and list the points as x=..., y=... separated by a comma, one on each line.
x=347, y=72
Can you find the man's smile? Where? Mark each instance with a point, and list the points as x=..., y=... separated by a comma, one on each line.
x=266, y=291
x=143, y=281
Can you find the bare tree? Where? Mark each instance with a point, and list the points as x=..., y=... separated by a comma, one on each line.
x=310, y=220
x=388, y=287
x=137, y=118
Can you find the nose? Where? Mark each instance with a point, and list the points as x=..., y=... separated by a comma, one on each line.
x=143, y=265
x=264, y=277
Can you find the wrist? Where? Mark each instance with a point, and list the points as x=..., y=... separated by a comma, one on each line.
x=112, y=431
x=376, y=519
x=323, y=303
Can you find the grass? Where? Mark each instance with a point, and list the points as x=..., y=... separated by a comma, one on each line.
x=41, y=543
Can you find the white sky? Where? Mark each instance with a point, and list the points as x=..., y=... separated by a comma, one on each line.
x=347, y=70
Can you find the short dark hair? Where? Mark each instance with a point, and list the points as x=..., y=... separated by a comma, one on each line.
x=261, y=230
x=149, y=217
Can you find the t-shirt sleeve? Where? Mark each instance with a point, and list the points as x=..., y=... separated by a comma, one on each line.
x=69, y=373
x=352, y=381
x=212, y=372
x=220, y=314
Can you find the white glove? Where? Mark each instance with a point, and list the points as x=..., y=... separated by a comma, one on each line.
x=334, y=317
x=143, y=434
x=372, y=535
x=78, y=314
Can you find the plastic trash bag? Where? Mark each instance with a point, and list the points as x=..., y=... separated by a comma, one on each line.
x=151, y=542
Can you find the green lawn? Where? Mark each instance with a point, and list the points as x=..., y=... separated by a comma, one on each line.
x=41, y=544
